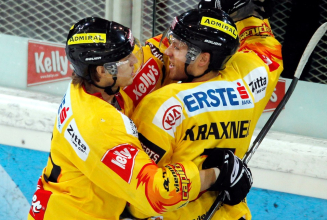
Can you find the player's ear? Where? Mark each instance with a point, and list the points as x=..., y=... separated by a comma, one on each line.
x=204, y=59
x=100, y=71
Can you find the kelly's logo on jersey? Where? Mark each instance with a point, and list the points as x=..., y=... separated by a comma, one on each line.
x=144, y=82
x=39, y=201
x=222, y=96
x=121, y=160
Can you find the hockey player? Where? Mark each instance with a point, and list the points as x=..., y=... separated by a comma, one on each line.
x=228, y=73
x=96, y=163
x=151, y=76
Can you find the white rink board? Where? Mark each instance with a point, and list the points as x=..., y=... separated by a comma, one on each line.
x=284, y=162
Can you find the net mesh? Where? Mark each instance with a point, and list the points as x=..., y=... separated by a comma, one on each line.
x=45, y=20
x=282, y=10
x=50, y=20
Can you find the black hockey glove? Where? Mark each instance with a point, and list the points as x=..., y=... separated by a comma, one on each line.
x=258, y=8
x=228, y=6
x=235, y=177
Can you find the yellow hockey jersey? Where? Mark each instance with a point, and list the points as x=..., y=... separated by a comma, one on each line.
x=184, y=121
x=151, y=77
x=96, y=164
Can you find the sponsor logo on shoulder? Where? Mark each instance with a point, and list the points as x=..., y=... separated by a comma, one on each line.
x=39, y=203
x=65, y=111
x=121, y=160
x=222, y=95
x=76, y=140
x=155, y=51
x=155, y=152
x=257, y=80
x=172, y=114
x=144, y=82
x=129, y=125
x=169, y=116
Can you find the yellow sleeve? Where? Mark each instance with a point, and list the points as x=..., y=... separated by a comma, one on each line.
x=127, y=172
x=256, y=36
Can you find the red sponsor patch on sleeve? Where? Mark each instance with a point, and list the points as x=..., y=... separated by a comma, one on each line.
x=39, y=202
x=121, y=160
x=144, y=82
x=170, y=117
x=270, y=63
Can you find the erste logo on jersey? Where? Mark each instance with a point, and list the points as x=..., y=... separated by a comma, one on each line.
x=121, y=160
x=144, y=82
x=64, y=111
x=76, y=140
x=169, y=116
x=221, y=96
x=257, y=80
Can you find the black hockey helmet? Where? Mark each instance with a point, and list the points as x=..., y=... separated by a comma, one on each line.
x=206, y=30
x=96, y=41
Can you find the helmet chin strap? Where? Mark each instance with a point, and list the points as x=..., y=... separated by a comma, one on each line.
x=108, y=89
x=191, y=77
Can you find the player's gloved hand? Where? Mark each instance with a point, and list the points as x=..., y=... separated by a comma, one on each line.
x=228, y=6
x=258, y=8
x=235, y=177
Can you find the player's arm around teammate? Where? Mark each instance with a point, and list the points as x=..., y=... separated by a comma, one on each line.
x=96, y=163
x=221, y=105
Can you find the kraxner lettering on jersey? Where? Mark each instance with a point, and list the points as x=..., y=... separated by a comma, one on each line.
x=171, y=115
x=201, y=99
x=227, y=130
